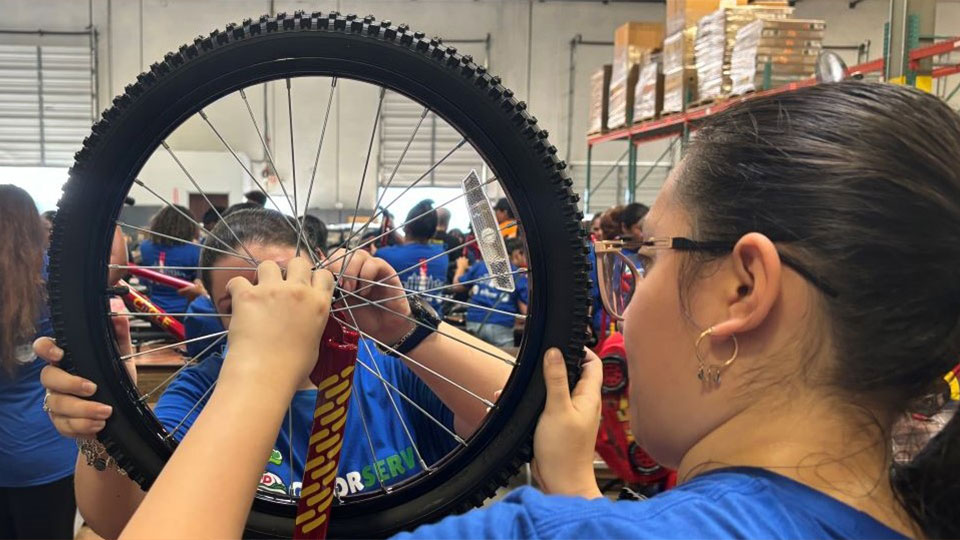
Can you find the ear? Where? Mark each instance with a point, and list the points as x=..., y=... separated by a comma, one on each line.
x=754, y=284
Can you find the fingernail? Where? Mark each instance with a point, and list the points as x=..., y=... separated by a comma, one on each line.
x=104, y=412
x=554, y=357
x=56, y=353
x=89, y=388
x=98, y=425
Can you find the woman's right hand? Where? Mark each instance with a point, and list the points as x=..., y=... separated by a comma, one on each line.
x=72, y=412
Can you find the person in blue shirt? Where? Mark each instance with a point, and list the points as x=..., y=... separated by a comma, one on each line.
x=772, y=346
x=168, y=250
x=107, y=499
x=417, y=260
x=36, y=462
x=493, y=327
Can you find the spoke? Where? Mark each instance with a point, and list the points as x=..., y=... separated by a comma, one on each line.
x=481, y=399
x=373, y=453
x=205, y=395
x=209, y=202
x=443, y=287
x=396, y=168
x=218, y=250
x=375, y=238
x=297, y=227
x=424, y=261
x=186, y=364
x=410, y=293
x=366, y=165
x=165, y=314
x=293, y=154
x=396, y=409
x=412, y=402
x=290, y=444
x=200, y=226
x=172, y=345
x=136, y=266
x=408, y=188
x=316, y=160
x=508, y=361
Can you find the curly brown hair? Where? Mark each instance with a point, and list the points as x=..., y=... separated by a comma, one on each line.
x=21, y=285
x=168, y=221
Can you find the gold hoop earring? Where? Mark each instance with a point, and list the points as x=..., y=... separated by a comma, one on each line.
x=706, y=372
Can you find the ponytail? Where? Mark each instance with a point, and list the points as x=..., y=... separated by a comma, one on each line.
x=929, y=486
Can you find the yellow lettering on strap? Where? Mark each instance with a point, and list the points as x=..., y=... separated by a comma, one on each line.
x=333, y=451
x=319, y=497
x=323, y=409
x=313, y=463
x=309, y=490
x=339, y=423
x=315, y=523
x=305, y=516
x=346, y=371
x=328, y=382
x=337, y=413
x=327, y=443
x=336, y=389
x=318, y=436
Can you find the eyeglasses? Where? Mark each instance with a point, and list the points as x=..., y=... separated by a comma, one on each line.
x=621, y=264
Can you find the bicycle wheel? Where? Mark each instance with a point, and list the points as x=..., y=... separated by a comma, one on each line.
x=358, y=51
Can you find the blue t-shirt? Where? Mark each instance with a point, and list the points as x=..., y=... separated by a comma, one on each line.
x=595, y=299
x=195, y=327
x=483, y=293
x=421, y=276
x=151, y=254
x=729, y=503
x=396, y=458
x=32, y=453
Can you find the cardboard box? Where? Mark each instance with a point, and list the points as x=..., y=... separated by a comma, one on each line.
x=685, y=13
x=679, y=88
x=631, y=41
x=679, y=50
x=765, y=48
x=648, y=99
x=599, y=100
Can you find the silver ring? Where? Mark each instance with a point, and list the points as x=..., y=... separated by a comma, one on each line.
x=46, y=406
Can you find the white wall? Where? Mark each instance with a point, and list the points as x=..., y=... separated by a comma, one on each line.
x=125, y=51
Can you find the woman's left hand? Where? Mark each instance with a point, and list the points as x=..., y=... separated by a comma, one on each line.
x=566, y=434
x=381, y=309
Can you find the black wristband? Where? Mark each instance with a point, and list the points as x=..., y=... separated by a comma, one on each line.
x=427, y=322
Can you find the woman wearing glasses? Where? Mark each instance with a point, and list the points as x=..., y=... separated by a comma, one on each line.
x=799, y=294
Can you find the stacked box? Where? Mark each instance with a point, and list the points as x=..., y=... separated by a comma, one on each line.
x=648, y=100
x=716, y=35
x=679, y=70
x=788, y=46
x=632, y=42
x=599, y=100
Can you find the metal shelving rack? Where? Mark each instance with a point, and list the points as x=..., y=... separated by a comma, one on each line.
x=921, y=64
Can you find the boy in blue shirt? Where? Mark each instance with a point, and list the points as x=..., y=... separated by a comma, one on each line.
x=417, y=260
x=167, y=251
x=490, y=326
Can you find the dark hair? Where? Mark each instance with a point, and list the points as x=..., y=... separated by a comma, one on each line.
x=632, y=214
x=610, y=223
x=251, y=226
x=21, y=293
x=256, y=197
x=860, y=183
x=210, y=216
x=316, y=231
x=512, y=244
x=168, y=221
x=240, y=206
x=504, y=206
x=423, y=228
x=49, y=215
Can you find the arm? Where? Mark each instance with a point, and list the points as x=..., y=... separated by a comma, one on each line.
x=478, y=366
x=211, y=479
x=483, y=373
x=106, y=499
x=463, y=264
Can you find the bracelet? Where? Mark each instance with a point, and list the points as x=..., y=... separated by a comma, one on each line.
x=97, y=456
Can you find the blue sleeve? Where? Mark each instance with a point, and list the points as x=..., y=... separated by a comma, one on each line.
x=521, y=292
x=499, y=520
x=194, y=255
x=471, y=273
x=178, y=402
